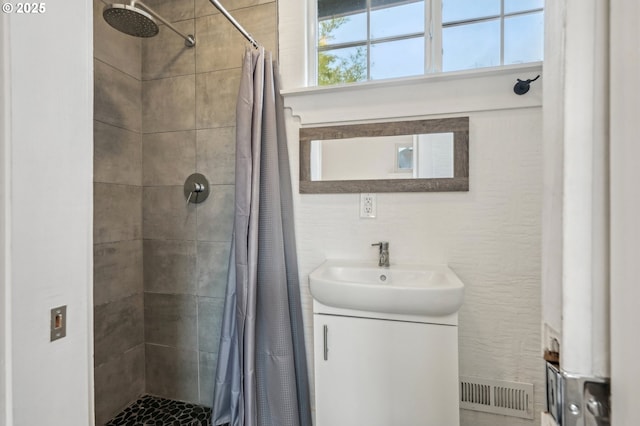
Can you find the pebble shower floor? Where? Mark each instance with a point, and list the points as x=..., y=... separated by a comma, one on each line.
x=155, y=411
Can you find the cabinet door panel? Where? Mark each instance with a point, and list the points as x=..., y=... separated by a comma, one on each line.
x=385, y=373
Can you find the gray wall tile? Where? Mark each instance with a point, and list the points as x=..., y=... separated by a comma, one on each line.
x=168, y=158
x=167, y=104
x=117, y=213
x=117, y=155
x=117, y=97
x=216, y=94
x=118, y=276
x=216, y=154
x=213, y=264
x=210, y=312
x=220, y=46
x=207, y=370
x=204, y=7
x=262, y=19
x=170, y=320
x=172, y=373
x=117, y=270
x=172, y=10
x=175, y=266
x=118, y=326
x=118, y=383
x=215, y=216
x=166, y=216
x=166, y=55
x=120, y=50
x=170, y=266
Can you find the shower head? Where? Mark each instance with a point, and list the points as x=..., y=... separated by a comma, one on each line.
x=139, y=20
x=130, y=20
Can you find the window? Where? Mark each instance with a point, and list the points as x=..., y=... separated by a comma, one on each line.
x=359, y=40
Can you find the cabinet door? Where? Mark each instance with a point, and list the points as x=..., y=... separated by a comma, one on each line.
x=385, y=373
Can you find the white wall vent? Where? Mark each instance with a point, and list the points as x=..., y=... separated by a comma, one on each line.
x=496, y=396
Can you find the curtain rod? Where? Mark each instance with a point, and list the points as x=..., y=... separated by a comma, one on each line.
x=235, y=23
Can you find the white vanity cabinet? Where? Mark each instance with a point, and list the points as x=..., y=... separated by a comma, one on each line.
x=391, y=371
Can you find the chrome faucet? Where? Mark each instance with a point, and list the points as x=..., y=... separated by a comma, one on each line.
x=383, y=259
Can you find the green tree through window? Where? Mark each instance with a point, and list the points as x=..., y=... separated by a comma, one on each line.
x=360, y=40
x=334, y=69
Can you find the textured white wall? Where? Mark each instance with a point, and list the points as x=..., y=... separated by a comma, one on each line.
x=490, y=236
x=49, y=232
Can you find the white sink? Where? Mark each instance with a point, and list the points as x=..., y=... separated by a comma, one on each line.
x=432, y=290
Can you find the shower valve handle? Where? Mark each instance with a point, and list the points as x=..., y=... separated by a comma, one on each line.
x=196, y=184
x=197, y=188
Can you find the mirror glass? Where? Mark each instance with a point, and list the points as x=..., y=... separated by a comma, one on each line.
x=427, y=155
x=401, y=156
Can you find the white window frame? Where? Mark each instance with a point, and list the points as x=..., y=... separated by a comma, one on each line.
x=433, y=36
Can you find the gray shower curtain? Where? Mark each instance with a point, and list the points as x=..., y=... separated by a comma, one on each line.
x=261, y=379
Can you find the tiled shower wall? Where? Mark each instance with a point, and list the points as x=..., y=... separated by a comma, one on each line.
x=186, y=123
x=118, y=275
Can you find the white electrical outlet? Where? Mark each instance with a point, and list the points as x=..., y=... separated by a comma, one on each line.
x=368, y=205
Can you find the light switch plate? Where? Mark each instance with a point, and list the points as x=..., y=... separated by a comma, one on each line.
x=58, y=322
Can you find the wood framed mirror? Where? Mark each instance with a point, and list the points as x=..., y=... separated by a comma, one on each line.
x=398, y=156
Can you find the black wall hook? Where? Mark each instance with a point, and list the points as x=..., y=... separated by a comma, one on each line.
x=522, y=86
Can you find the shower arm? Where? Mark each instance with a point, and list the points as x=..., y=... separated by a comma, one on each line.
x=189, y=40
x=235, y=23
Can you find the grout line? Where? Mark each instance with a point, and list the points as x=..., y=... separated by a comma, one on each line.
x=197, y=210
x=198, y=338
x=106, y=123
x=146, y=80
x=221, y=69
x=118, y=183
x=115, y=68
x=130, y=296
x=195, y=85
x=96, y=245
x=169, y=131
